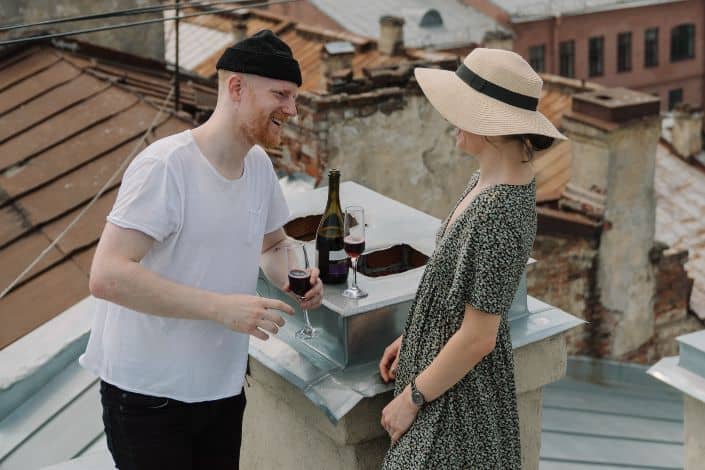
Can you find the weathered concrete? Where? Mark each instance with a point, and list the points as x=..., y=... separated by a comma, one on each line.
x=621, y=159
x=146, y=41
x=687, y=132
x=283, y=429
x=419, y=166
x=693, y=430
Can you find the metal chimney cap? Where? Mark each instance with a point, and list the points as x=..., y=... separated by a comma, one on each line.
x=616, y=105
x=339, y=48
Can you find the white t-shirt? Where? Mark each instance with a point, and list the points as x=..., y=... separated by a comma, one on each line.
x=208, y=233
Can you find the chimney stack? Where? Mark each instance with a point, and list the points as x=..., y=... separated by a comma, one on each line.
x=614, y=134
x=686, y=134
x=336, y=60
x=239, y=25
x=391, y=35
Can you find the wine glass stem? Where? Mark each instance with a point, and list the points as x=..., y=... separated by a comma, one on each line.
x=354, y=264
x=308, y=326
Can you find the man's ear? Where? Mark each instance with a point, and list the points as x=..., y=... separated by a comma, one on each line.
x=236, y=87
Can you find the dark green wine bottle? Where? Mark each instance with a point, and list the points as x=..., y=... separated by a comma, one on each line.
x=332, y=260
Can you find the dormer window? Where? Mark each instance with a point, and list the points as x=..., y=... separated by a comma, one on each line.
x=431, y=19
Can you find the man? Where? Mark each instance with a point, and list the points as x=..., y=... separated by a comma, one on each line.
x=176, y=270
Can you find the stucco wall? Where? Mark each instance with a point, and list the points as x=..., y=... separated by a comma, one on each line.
x=408, y=155
x=146, y=41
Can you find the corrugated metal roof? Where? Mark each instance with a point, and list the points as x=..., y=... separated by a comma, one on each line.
x=461, y=24
x=67, y=122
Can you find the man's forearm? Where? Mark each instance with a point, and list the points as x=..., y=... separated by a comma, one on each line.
x=130, y=284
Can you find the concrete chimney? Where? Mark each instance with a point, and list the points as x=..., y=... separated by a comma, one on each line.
x=686, y=134
x=498, y=40
x=336, y=58
x=391, y=35
x=239, y=25
x=614, y=134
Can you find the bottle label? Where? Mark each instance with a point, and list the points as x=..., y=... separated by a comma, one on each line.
x=337, y=255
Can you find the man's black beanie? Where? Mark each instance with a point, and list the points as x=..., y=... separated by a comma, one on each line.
x=262, y=54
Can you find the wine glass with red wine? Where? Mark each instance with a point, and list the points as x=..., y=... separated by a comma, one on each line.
x=300, y=283
x=354, y=244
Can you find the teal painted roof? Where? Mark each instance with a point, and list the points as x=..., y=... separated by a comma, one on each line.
x=613, y=416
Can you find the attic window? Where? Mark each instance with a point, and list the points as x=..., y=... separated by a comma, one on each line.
x=431, y=19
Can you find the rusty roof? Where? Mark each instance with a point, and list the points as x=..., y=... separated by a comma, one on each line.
x=68, y=120
x=306, y=42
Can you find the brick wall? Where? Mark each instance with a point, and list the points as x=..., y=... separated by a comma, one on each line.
x=564, y=276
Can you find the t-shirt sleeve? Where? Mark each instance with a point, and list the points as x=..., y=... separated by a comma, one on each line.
x=148, y=199
x=491, y=267
x=278, y=211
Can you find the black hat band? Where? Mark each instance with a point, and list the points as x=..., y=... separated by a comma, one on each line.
x=497, y=92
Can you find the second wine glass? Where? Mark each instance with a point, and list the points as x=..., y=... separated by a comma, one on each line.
x=300, y=283
x=354, y=242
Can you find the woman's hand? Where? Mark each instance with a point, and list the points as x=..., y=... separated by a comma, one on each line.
x=390, y=361
x=399, y=415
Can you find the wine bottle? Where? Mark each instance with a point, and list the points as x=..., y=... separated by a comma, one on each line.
x=332, y=260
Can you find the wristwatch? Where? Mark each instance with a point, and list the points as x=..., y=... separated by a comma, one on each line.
x=417, y=397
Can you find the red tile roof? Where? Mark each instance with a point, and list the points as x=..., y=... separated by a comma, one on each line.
x=306, y=42
x=68, y=121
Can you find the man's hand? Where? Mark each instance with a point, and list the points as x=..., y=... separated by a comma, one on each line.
x=390, y=361
x=314, y=297
x=252, y=315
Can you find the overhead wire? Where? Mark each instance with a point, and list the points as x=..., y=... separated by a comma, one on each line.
x=43, y=37
x=95, y=198
x=117, y=13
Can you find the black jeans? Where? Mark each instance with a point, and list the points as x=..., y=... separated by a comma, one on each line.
x=146, y=432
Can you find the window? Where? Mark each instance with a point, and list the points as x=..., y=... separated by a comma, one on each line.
x=624, y=52
x=567, y=58
x=683, y=42
x=596, y=56
x=537, y=58
x=674, y=97
x=651, y=47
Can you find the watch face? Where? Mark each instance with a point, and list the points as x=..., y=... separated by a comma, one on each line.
x=417, y=398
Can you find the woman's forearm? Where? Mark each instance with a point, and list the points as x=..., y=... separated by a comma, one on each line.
x=463, y=351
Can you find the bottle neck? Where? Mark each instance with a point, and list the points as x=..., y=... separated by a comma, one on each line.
x=333, y=190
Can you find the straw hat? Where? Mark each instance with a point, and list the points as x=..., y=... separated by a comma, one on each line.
x=493, y=92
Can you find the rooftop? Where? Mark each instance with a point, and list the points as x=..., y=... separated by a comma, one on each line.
x=306, y=42
x=531, y=10
x=447, y=24
x=69, y=117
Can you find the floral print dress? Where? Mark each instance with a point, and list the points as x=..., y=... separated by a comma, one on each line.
x=478, y=261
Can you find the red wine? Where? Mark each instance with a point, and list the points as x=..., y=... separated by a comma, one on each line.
x=332, y=260
x=354, y=246
x=299, y=282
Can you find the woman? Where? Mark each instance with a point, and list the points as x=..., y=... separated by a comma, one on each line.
x=455, y=402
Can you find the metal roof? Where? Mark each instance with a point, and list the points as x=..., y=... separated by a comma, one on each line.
x=531, y=10
x=461, y=24
x=680, y=205
x=306, y=42
x=609, y=415
x=67, y=122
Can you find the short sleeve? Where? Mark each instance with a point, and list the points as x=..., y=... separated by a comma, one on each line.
x=148, y=199
x=278, y=211
x=491, y=266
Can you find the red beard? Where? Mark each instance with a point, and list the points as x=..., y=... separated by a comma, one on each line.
x=264, y=132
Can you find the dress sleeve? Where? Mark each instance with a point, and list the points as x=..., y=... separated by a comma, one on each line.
x=148, y=199
x=491, y=266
